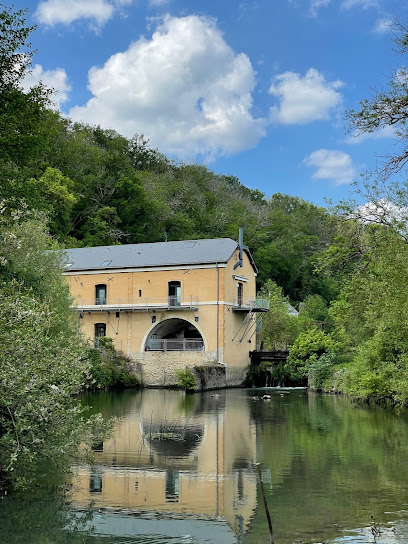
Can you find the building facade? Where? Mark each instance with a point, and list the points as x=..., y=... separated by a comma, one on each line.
x=169, y=305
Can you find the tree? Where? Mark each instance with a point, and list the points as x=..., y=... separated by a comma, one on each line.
x=20, y=112
x=372, y=310
x=42, y=361
x=53, y=193
x=294, y=232
x=307, y=350
x=279, y=328
x=386, y=198
x=15, y=51
x=388, y=109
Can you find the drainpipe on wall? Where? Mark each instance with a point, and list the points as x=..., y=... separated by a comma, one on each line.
x=218, y=313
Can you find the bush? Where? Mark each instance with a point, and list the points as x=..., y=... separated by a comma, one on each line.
x=110, y=369
x=307, y=350
x=185, y=379
x=42, y=362
x=320, y=371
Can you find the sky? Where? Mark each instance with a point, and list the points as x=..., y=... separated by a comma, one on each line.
x=257, y=89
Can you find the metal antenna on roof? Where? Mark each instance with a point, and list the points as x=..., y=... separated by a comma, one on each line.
x=241, y=248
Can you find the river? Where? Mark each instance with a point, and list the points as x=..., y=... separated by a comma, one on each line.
x=180, y=468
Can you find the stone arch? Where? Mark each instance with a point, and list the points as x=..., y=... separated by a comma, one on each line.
x=174, y=334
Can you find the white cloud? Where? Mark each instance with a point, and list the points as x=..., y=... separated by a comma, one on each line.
x=365, y=4
x=383, y=26
x=184, y=88
x=55, y=79
x=332, y=165
x=304, y=99
x=315, y=5
x=158, y=2
x=51, y=12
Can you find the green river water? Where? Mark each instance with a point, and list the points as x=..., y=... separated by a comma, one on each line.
x=181, y=469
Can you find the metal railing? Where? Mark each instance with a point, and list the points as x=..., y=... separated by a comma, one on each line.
x=257, y=303
x=165, y=303
x=182, y=344
x=170, y=302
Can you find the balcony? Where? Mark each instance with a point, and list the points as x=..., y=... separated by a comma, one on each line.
x=250, y=305
x=139, y=304
x=184, y=344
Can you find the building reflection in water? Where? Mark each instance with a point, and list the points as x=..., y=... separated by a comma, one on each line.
x=172, y=457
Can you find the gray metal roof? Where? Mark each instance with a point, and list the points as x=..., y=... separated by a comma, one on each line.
x=186, y=252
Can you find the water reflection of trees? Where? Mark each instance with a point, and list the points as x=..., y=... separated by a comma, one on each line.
x=330, y=464
x=326, y=464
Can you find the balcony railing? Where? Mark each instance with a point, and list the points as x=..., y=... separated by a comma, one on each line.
x=254, y=305
x=139, y=303
x=183, y=344
x=162, y=303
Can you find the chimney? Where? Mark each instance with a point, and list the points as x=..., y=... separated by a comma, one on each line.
x=241, y=248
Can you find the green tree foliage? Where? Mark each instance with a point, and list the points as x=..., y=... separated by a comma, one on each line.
x=368, y=256
x=293, y=233
x=373, y=312
x=185, y=379
x=20, y=112
x=279, y=327
x=110, y=369
x=306, y=352
x=42, y=363
x=314, y=311
x=53, y=194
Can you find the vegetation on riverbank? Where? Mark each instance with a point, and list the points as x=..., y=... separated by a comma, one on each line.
x=109, y=369
x=68, y=184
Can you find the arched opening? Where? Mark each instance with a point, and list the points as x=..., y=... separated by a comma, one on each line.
x=174, y=335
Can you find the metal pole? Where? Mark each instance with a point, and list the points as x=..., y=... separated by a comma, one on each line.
x=268, y=517
x=218, y=313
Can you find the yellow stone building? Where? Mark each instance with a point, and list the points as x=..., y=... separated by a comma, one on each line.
x=170, y=305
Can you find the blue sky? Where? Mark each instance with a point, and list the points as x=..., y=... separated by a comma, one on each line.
x=255, y=89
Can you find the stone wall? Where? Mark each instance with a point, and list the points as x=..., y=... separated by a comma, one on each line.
x=210, y=377
x=158, y=369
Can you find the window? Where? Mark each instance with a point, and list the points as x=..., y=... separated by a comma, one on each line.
x=240, y=293
x=95, y=482
x=97, y=446
x=172, y=485
x=100, y=293
x=174, y=293
x=105, y=263
x=100, y=330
